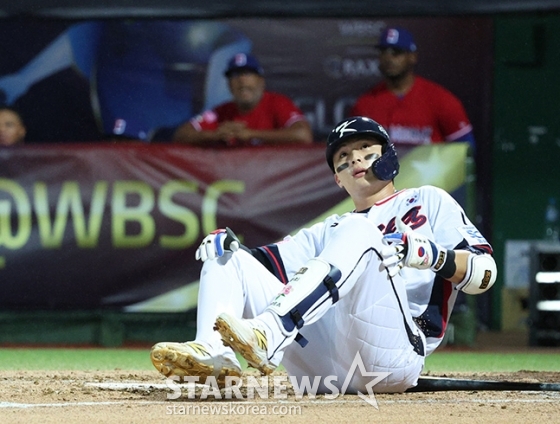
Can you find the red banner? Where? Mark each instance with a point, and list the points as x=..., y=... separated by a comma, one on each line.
x=112, y=225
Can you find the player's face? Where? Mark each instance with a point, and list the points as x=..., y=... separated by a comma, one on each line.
x=247, y=89
x=395, y=63
x=352, y=161
x=12, y=130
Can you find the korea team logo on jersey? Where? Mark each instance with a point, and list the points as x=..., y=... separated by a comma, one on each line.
x=412, y=199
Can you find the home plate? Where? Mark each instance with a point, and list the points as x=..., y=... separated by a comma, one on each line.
x=149, y=387
x=140, y=387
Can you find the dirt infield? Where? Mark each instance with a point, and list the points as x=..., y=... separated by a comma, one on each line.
x=84, y=396
x=81, y=396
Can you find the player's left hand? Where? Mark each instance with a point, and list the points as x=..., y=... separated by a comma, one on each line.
x=216, y=244
x=407, y=248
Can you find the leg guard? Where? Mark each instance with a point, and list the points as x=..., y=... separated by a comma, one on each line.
x=306, y=297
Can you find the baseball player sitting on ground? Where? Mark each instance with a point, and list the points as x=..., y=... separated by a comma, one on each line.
x=380, y=281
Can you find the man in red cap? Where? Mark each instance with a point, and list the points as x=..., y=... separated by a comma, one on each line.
x=413, y=109
x=254, y=116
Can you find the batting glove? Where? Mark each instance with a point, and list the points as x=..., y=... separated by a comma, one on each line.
x=215, y=244
x=409, y=248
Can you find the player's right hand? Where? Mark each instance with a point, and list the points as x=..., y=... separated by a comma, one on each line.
x=216, y=244
x=411, y=249
x=392, y=258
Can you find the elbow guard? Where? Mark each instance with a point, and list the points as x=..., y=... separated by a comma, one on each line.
x=480, y=276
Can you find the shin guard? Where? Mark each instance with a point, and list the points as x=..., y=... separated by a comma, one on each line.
x=306, y=297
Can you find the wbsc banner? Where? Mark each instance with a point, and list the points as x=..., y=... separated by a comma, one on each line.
x=116, y=226
x=85, y=227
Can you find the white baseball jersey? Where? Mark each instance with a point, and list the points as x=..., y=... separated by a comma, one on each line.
x=427, y=210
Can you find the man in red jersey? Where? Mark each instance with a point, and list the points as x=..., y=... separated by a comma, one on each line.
x=414, y=110
x=254, y=116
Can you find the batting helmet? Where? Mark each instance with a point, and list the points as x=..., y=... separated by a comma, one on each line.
x=385, y=167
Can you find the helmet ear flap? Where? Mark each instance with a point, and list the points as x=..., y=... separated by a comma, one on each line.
x=387, y=166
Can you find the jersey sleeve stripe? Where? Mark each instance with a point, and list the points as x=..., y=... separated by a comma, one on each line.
x=194, y=122
x=460, y=133
x=293, y=120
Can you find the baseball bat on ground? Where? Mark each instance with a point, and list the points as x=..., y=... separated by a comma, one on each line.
x=439, y=384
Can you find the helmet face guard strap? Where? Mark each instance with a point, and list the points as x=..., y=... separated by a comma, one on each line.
x=386, y=167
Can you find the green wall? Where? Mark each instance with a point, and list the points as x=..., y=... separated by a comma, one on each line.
x=526, y=130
